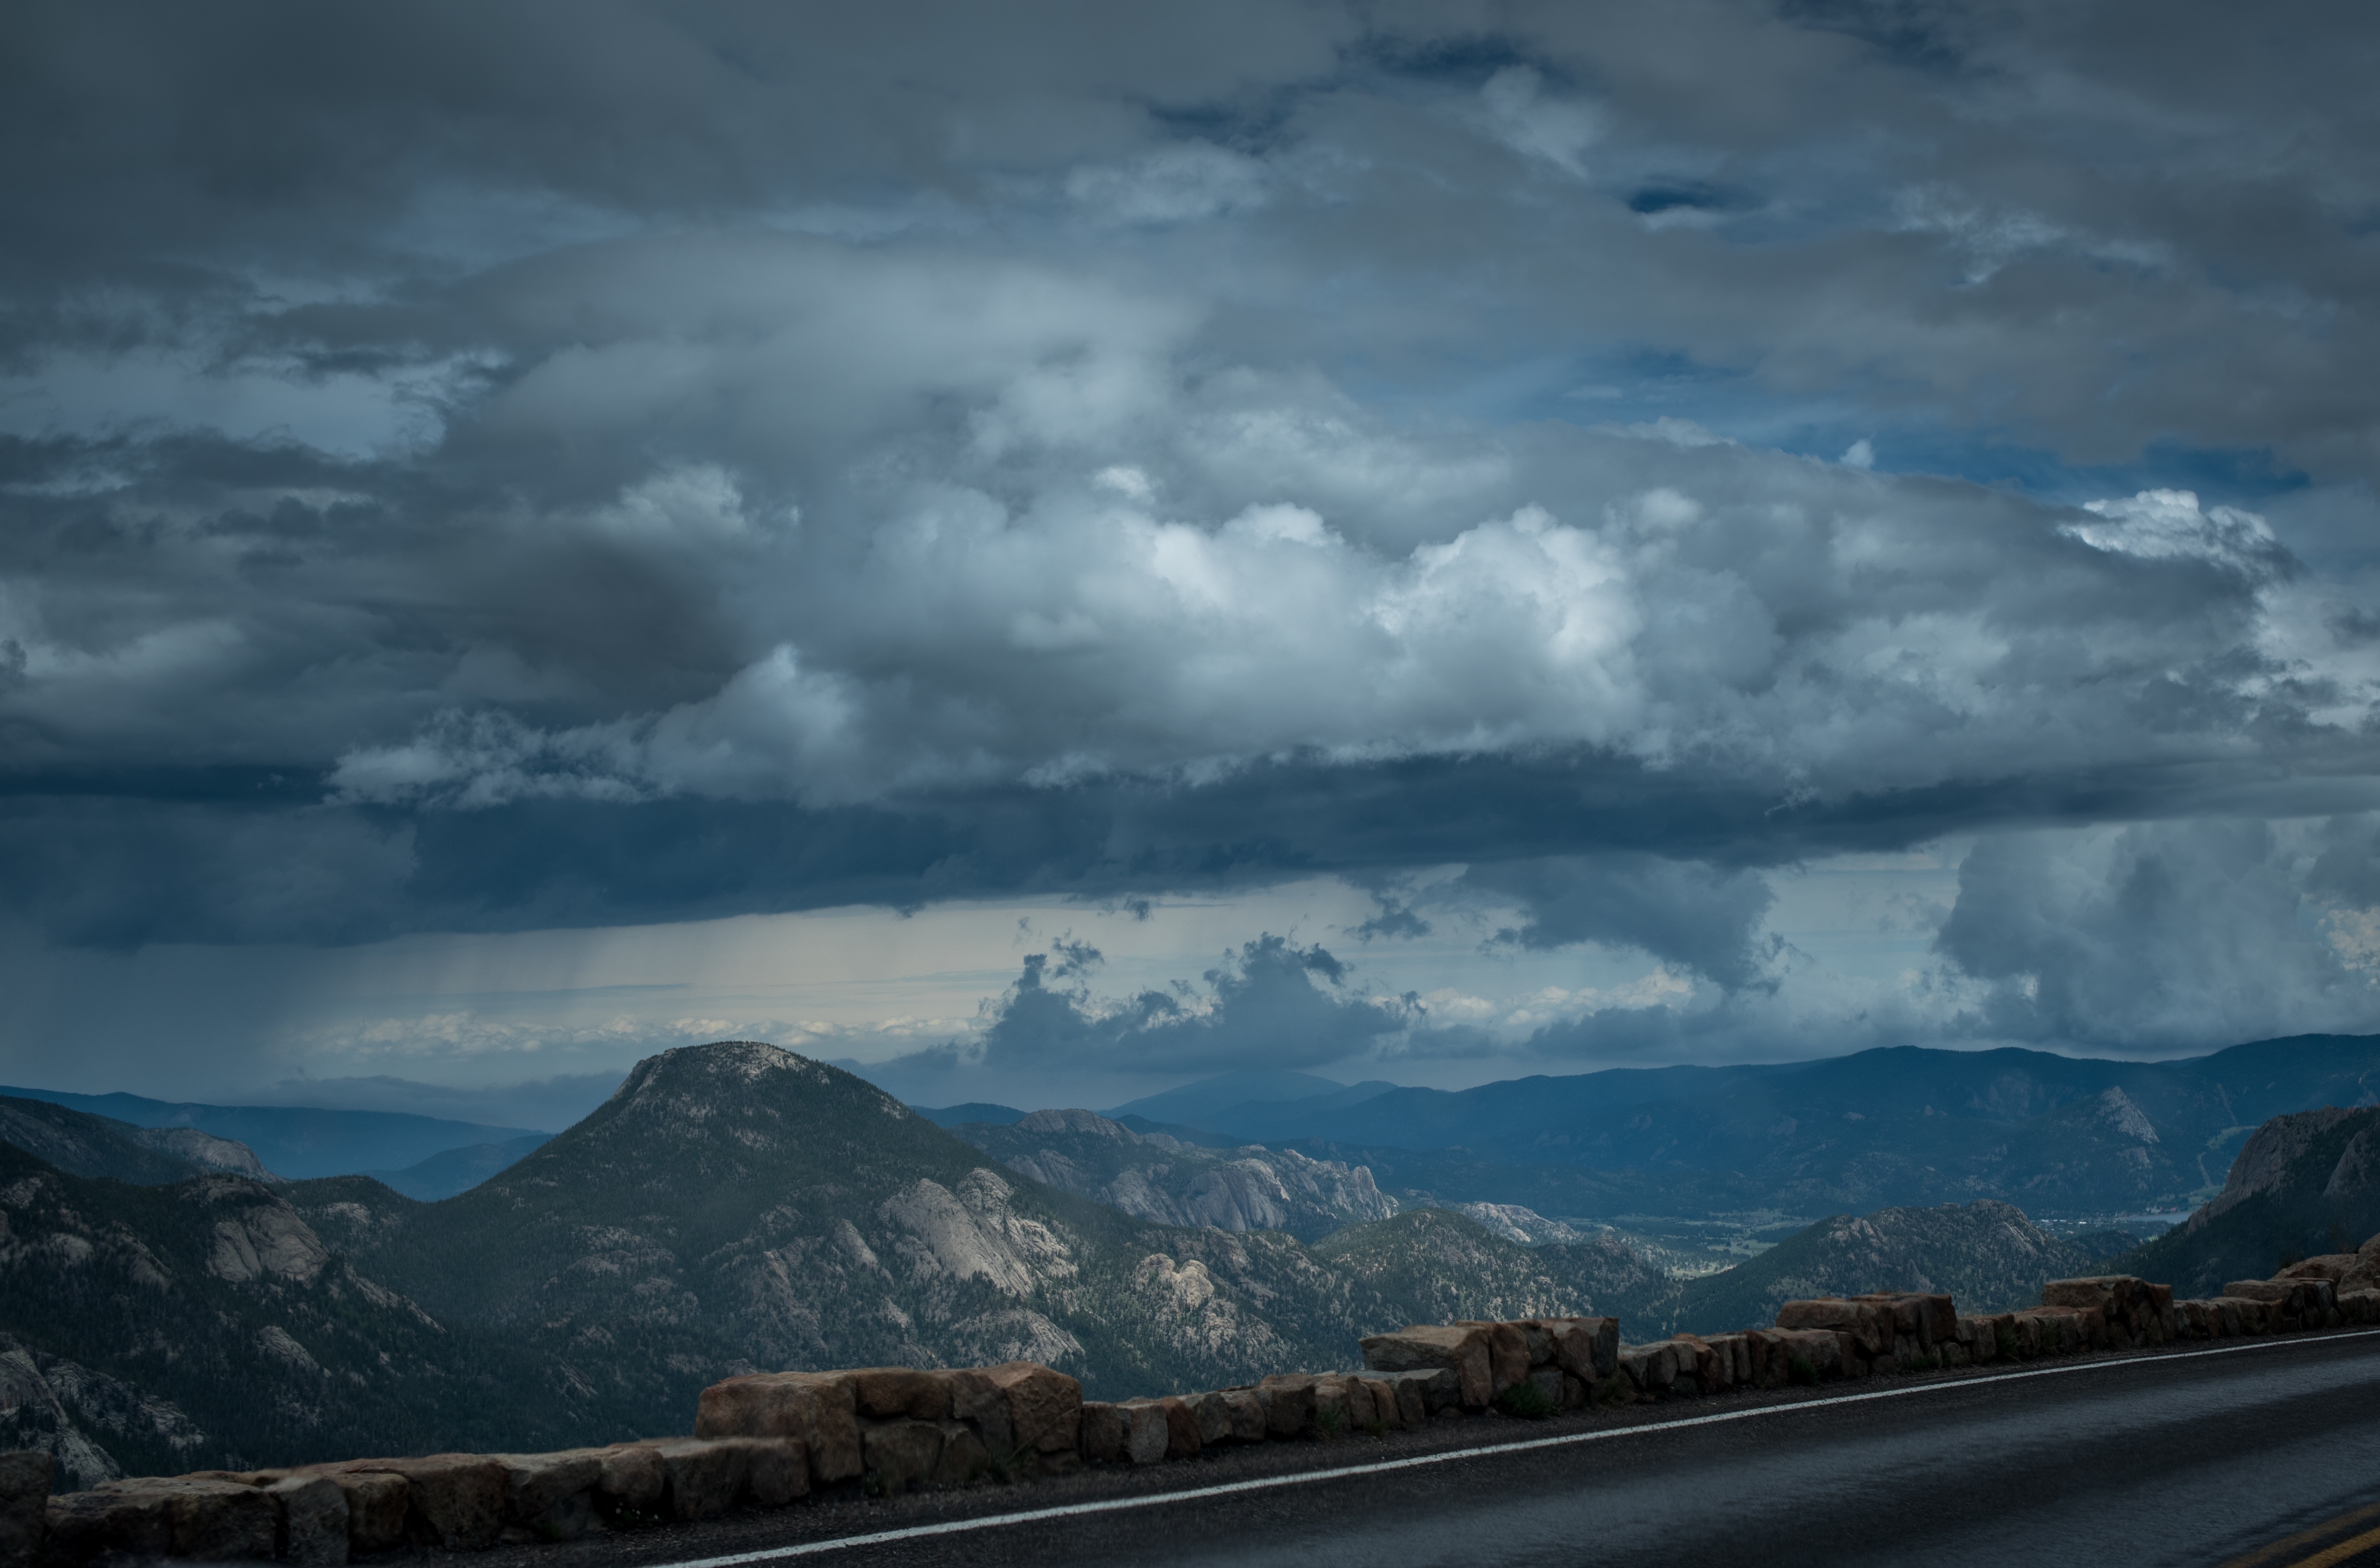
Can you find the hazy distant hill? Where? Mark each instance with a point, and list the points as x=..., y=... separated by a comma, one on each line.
x=1221, y=1100
x=84, y=1145
x=297, y=1142
x=2303, y=1184
x=1986, y=1254
x=1153, y=1176
x=1900, y=1126
x=453, y=1170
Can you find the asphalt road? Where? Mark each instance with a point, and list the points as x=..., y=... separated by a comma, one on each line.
x=2266, y=1453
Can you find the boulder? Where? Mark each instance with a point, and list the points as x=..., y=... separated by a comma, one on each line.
x=1540, y=1342
x=1584, y=1347
x=1212, y=1413
x=630, y=1481
x=1433, y=1388
x=1333, y=1415
x=1249, y=1420
x=983, y=1405
x=1386, y=1408
x=2273, y=1292
x=1288, y=1404
x=1653, y=1368
x=1868, y=1324
x=1045, y=1407
x=817, y=1409
x=453, y=1501
x=1508, y=1353
x=2359, y=1305
x=965, y=1458
x=1701, y=1367
x=2134, y=1310
x=2241, y=1315
x=2063, y=1331
x=186, y=1516
x=1147, y=1432
x=1466, y=1350
x=901, y=1454
x=540, y=1488
x=706, y=1476
x=1735, y=1352
x=25, y=1479
x=1925, y=1320
x=1978, y=1336
x=1183, y=1438
x=376, y=1508
x=886, y=1393
x=1821, y=1348
x=1548, y=1382
x=312, y=1514
x=1104, y=1432
x=2331, y=1266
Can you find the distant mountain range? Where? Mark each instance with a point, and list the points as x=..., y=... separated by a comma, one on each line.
x=296, y=1142
x=1902, y=1126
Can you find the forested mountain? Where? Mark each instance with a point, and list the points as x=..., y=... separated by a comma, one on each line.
x=1895, y=1126
x=2305, y=1185
x=1154, y=1176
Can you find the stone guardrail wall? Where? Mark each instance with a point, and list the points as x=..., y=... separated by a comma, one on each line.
x=768, y=1439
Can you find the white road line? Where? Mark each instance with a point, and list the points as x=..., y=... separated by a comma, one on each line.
x=1381, y=1466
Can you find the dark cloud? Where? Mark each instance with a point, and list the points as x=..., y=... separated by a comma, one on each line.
x=2168, y=935
x=624, y=462
x=1273, y=1003
x=1700, y=917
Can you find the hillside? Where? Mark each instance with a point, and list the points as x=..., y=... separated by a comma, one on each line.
x=1448, y=1265
x=299, y=1142
x=163, y=1328
x=1153, y=1176
x=2303, y=1184
x=1986, y=1254
x=1895, y=1126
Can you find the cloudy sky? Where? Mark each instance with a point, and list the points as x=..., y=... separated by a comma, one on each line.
x=1056, y=549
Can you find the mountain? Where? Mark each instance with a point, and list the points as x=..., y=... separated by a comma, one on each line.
x=297, y=1141
x=85, y=1145
x=735, y=1206
x=1219, y=1100
x=457, y=1170
x=1450, y=1265
x=1898, y=1125
x=2303, y=1184
x=974, y=1110
x=1154, y=1176
x=164, y=1328
x=1986, y=1254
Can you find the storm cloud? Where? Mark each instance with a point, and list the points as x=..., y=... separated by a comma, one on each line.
x=592, y=465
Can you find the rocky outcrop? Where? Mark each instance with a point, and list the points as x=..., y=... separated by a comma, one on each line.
x=1514, y=1224
x=1159, y=1178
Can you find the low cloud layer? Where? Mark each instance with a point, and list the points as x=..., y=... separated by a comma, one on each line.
x=638, y=463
